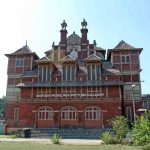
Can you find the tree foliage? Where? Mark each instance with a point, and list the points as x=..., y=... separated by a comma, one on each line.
x=141, y=131
x=2, y=106
x=120, y=127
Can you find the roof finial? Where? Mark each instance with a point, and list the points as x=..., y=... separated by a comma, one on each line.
x=64, y=25
x=53, y=44
x=26, y=43
x=84, y=24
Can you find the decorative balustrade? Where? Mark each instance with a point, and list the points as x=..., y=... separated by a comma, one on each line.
x=69, y=83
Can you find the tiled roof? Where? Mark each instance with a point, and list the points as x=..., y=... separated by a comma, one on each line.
x=43, y=59
x=31, y=73
x=123, y=45
x=81, y=71
x=106, y=64
x=93, y=57
x=58, y=70
x=110, y=72
x=67, y=58
x=24, y=50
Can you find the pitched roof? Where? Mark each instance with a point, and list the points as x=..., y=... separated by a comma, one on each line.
x=43, y=59
x=93, y=57
x=67, y=58
x=31, y=73
x=123, y=45
x=23, y=51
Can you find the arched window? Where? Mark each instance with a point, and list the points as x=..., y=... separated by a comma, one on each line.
x=92, y=113
x=45, y=113
x=68, y=113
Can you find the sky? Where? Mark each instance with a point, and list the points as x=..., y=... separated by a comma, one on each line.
x=109, y=22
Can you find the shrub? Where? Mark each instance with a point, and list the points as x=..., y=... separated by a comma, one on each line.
x=141, y=132
x=56, y=138
x=107, y=138
x=120, y=127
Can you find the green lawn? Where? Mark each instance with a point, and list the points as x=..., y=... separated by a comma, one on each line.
x=44, y=146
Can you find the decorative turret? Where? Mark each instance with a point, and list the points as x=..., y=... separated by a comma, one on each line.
x=84, y=32
x=63, y=36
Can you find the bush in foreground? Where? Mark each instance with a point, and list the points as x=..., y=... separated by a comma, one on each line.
x=141, y=132
x=107, y=138
x=56, y=138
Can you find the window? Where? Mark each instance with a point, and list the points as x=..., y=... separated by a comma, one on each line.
x=92, y=113
x=129, y=113
x=44, y=73
x=68, y=113
x=16, y=114
x=45, y=113
x=68, y=73
x=19, y=62
x=146, y=103
x=73, y=73
x=125, y=59
x=93, y=72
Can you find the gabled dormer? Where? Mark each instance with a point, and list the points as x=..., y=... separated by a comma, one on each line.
x=93, y=64
x=45, y=69
x=69, y=67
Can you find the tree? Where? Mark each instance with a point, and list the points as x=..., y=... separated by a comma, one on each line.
x=141, y=131
x=2, y=106
x=120, y=127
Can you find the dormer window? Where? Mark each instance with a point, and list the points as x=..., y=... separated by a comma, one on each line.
x=68, y=73
x=125, y=59
x=44, y=73
x=93, y=71
x=19, y=62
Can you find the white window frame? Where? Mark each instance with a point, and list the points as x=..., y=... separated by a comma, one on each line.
x=125, y=59
x=45, y=113
x=19, y=62
x=16, y=114
x=92, y=113
x=69, y=113
x=146, y=103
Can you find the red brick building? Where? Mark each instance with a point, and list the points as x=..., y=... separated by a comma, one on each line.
x=74, y=85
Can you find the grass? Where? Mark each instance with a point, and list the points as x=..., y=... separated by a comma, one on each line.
x=44, y=146
x=8, y=136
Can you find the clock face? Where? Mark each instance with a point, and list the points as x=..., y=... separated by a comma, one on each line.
x=74, y=54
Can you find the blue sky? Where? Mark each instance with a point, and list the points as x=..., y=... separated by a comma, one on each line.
x=109, y=21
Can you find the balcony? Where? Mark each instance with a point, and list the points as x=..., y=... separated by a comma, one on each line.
x=69, y=83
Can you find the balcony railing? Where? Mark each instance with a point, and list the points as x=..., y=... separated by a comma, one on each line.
x=69, y=83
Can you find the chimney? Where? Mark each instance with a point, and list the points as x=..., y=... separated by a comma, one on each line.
x=84, y=32
x=63, y=36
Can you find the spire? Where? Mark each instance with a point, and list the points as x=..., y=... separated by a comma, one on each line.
x=26, y=43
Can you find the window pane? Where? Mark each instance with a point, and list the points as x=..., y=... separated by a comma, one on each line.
x=68, y=74
x=97, y=72
x=89, y=72
x=48, y=74
x=73, y=73
x=127, y=59
x=93, y=72
x=44, y=74
x=21, y=62
x=64, y=73
x=40, y=74
x=123, y=59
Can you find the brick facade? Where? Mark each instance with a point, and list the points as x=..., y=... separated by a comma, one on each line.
x=73, y=85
